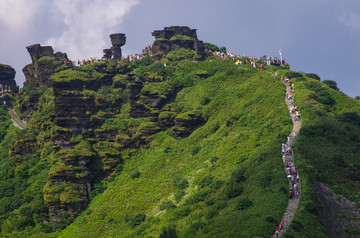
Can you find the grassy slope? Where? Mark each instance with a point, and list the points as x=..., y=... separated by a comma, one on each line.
x=327, y=150
x=253, y=101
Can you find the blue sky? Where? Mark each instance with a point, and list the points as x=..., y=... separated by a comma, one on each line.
x=319, y=36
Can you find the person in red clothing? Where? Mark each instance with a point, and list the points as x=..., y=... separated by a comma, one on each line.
x=282, y=225
x=277, y=230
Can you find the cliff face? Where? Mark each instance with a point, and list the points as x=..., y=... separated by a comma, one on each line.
x=7, y=75
x=44, y=64
x=88, y=132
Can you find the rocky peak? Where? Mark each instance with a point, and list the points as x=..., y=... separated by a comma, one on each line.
x=176, y=37
x=37, y=51
x=117, y=41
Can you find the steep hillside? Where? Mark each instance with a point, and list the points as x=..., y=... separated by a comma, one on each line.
x=172, y=147
x=328, y=152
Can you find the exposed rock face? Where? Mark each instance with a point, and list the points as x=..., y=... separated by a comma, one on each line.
x=44, y=64
x=117, y=41
x=165, y=40
x=339, y=213
x=7, y=75
x=37, y=51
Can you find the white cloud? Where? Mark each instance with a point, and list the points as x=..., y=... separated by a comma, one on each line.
x=88, y=25
x=351, y=20
x=17, y=16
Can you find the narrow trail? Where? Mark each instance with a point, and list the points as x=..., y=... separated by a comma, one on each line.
x=289, y=165
x=16, y=120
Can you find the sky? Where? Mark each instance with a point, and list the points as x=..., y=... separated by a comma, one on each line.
x=321, y=36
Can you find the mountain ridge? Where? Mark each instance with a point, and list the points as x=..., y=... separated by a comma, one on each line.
x=165, y=147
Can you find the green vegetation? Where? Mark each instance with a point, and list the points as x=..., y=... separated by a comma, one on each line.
x=181, y=37
x=125, y=136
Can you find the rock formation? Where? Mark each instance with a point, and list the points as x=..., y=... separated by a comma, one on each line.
x=176, y=37
x=7, y=75
x=117, y=41
x=44, y=64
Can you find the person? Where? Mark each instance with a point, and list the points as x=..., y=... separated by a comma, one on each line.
x=282, y=224
x=288, y=138
x=261, y=67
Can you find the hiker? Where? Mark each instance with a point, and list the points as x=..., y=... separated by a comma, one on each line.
x=261, y=67
x=291, y=194
x=282, y=224
x=288, y=138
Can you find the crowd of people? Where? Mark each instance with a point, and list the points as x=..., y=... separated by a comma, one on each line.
x=287, y=155
x=240, y=60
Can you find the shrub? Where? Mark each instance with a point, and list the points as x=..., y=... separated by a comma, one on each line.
x=270, y=219
x=297, y=226
x=313, y=76
x=312, y=207
x=244, y=204
x=195, y=149
x=167, y=205
x=204, y=101
x=98, y=189
x=241, y=159
x=325, y=98
x=238, y=176
x=331, y=84
x=233, y=190
x=265, y=181
x=198, y=197
x=179, y=195
x=168, y=232
x=350, y=117
x=136, y=220
x=214, y=159
x=135, y=174
x=216, y=185
x=214, y=128
x=181, y=183
x=182, y=211
x=181, y=37
x=283, y=190
x=299, y=79
x=293, y=74
x=211, y=47
x=181, y=54
x=211, y=213
x=206, y=181
x=314, y=86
